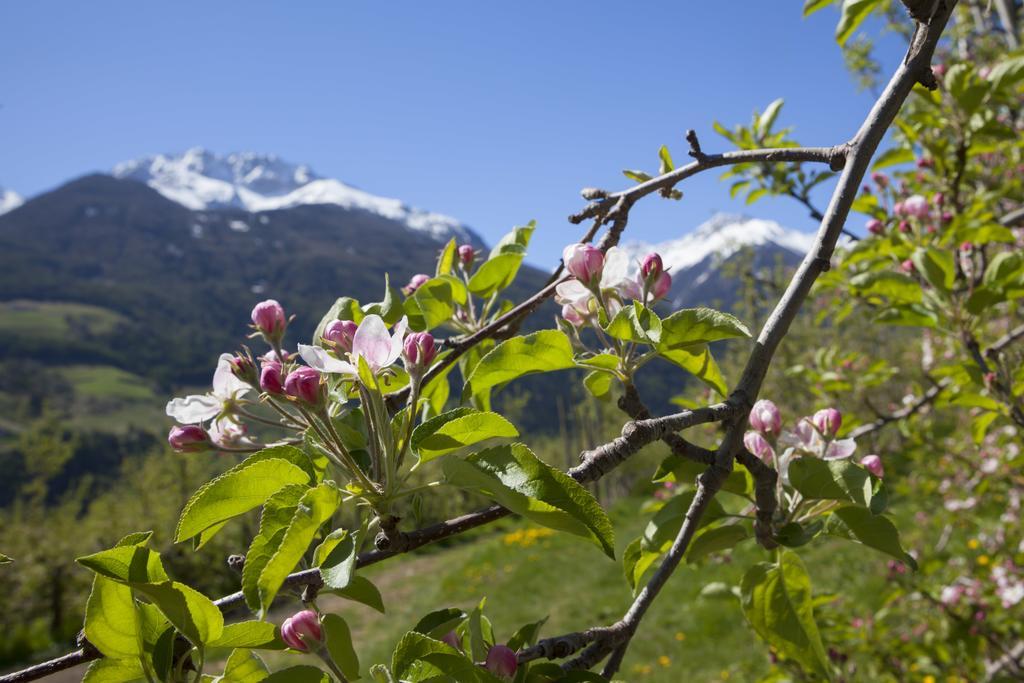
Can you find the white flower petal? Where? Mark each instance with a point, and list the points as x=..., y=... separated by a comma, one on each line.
x=373, y=342
x=616, y=268
x=194, y=409
x=225, y=384
x=397, y=339
x=840, y=448
x=318, y=359
x=573, y=292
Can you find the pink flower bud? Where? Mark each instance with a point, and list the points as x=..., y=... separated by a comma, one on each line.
x=916, y=206
x=924, y=162
x=904, y=227
x=340, y=333
x=452, y=639
x=188, y=439
x=304, y=384
x=759, y=446
x=947, y=217
x=907, y=266
x=583, y=261
x=939, y=70
x=990, y=379
x=828, y=421
x=302, y=631
x=415, y=282
x=270, y=378
x=501, y=661
x=420, y=349
x=875, y=226
x=966, y=247
x=939, y=199
x=268, y=317
x=651, y=265
x=873, y=464
x=866, y=189
x=897, y=209
x=572, y=316
x=466, y=255
x=766, y=418
x=880, y=179
x=661, y=286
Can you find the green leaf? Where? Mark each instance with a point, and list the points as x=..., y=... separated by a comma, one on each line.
x=299, y=674
x=249, y=634
x=635, y=323
x=360, y=589
x=4, y=559
x=697, y=326
x=767, y=119
x=599, y=384
x=812, y=6
x=434, y=302
x=111, y=623
x=277, y=513
x=638, y=176
x=114, y=671
x=700, y=363
x=794, y=534
x=339, y=645
x=447, y=258
x=636, y=561
x=514, y=477
x=601, y=361
x=496, y=273
x=439, y=622
x=843, y=480
x=777, y=602
x=316, y=507
x=663, y=528
x=127, y=564
x=240, y=489
x=666, y=160
x=893, y=157
x=193, y=614
x=457, y=429
x=875, y=531
x=243, y=667
x=420, y=658
x=714, y=540
x=515, y=241
x=542, y=351
x=936, y=266
x=336, y=557
x=897, y=287
x=854, y=12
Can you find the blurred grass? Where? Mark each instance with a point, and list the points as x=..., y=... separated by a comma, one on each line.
x=527, y=573
x=50, y=322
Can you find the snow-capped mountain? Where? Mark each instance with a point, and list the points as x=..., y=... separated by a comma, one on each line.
x=695, y=259
x=719, y=238
x=9, y=200
x=199, y=180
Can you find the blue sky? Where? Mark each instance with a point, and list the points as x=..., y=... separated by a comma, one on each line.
x=492, y=112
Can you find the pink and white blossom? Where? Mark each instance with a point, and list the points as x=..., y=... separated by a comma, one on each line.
x=302, y=631
x=766, y=418
x=584, y=262
x=196, y=408
x=372, y=342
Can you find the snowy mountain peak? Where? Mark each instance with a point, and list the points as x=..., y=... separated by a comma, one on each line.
x=199, y=179
x=9, y=200
x=720, y=237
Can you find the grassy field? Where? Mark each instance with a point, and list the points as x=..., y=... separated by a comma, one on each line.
x=110, y=399
x=53, y=321
x=527, y=573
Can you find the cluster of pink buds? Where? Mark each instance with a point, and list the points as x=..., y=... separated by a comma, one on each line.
x=303, y=631
x=766, y=420
x=303, y=384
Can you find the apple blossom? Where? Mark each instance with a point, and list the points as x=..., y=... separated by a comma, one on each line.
x=340, y=333
x=880, y=179
x=875, y=226
x=651, y=265
x=916, y=206
x=229, y=434
x=828, y=421
x=572, y=316
x=188, y=439
x=501, y=661
x=584, y=262
x=227, y=389
x=268, y=317
x=302, y=631
x=415, y=282
x=661, y=286
x=466, y=255
x=304, y=384
x=244, y=368
x=270, y=378
x=371, y=342
x=766, y=418
x=873, y=464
